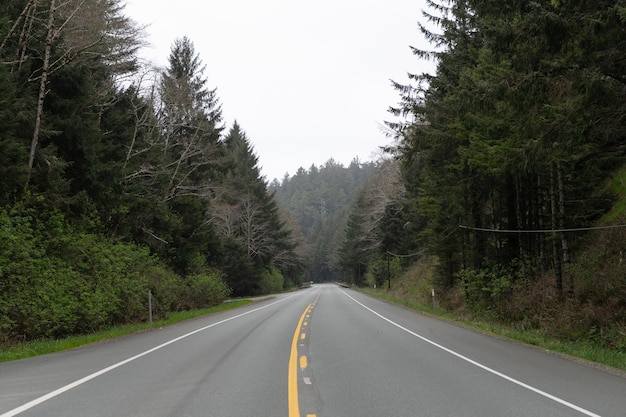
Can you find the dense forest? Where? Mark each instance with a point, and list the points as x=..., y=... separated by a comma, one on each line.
x=319, y=200
x=510, y=167
x=505, y=182
x=117, y=178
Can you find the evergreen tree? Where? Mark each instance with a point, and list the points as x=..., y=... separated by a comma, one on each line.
x=247, y=215
x=504, y=135
x=14, y=154
x=320, y=199
x=355, y=249
x=191, y=117
x=78, y=46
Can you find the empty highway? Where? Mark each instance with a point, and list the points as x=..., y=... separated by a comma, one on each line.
x=321, y=351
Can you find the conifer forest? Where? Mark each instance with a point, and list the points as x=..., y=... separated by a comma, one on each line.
x=504, y=187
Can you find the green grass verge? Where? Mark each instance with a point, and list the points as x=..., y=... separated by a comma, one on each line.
x=40, y=347
x=584, y=350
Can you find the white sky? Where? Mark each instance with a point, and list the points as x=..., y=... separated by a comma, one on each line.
x=306, y=81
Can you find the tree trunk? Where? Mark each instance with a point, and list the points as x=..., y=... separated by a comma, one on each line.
x=540, y=237
x=43, y=81
x=555, y=242
x=27, y=17
x=564, y=244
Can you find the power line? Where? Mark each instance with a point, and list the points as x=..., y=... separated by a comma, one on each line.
x=410, y=255
x=482, y=229
x=581, y=229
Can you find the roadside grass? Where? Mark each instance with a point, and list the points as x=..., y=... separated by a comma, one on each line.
x=582, y=350
x=41, y=347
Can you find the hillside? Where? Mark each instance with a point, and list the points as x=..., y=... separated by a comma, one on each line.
x=320, y=199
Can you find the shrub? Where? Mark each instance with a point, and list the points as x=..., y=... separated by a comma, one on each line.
x=493, y=288
x=380, y=270
x=207, y=289
x=57, y=281
x=272, y=281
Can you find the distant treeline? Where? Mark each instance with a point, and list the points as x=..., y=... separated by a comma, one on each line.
x=319, y=199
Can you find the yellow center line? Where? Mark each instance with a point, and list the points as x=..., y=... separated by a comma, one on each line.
x=303, y=362
x=292, y=380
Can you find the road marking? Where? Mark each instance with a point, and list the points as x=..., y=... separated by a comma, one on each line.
x=303, y=336
x=88, y=378
x=307, y=381
x=478, y=364
x=303, y=362
x=292, y=378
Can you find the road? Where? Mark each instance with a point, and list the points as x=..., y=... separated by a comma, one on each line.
x=322, y=351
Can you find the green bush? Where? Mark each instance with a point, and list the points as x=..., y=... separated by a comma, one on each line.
x=491, y=288
x=380, y=270
x=207, y=289
x=57, y=281
x=272, y=281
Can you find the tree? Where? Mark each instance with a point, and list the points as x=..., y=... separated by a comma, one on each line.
x=512, y=109
x=355, y=249
x=14, y=155
x=380, y=221
x=320, y=200
x=245, y=212
x=190, y=116
x=74, y=33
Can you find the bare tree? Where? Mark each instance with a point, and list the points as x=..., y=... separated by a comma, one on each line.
x=384, y=190
x=225, y=218
x=51, y=35
x=245, y=221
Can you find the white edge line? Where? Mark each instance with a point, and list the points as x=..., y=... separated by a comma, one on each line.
x=478, y=364
x=88, y=378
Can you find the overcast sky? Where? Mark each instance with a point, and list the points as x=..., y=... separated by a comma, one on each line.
x=306, y=80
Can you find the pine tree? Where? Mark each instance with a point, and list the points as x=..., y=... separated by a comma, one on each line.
x=247, y=214
x=512, y=112
x=53, y=37
x=190, y=116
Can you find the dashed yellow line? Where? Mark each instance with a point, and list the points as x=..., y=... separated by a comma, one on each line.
x=292, y=380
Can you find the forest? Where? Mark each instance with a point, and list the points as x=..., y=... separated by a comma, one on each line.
x=503, y=188
x=118, y=179
x=319, y=201
x=509, y=179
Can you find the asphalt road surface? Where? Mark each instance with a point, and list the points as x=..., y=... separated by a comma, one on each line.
x=322, y=351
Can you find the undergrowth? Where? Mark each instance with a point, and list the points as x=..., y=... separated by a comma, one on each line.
x=44, y=346
x=531, y=313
